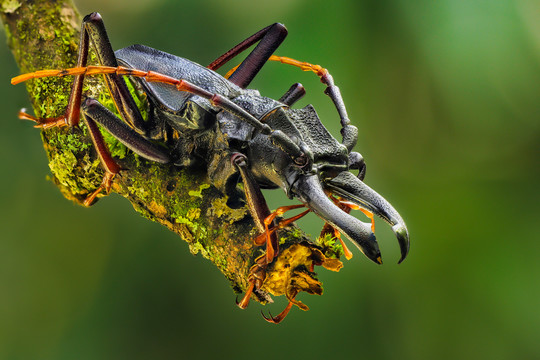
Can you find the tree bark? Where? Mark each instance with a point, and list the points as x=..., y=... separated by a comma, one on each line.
x=44, y=34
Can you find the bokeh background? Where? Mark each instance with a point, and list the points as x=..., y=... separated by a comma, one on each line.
x=446, y=95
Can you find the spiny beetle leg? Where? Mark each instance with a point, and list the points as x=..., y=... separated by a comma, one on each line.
x=95, y=111
x=242, y=304
x=93, y=31
x=255, y=199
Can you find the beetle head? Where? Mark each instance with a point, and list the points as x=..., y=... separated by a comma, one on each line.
x=323, y=170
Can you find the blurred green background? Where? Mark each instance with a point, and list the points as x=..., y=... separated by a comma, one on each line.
x=446, y=95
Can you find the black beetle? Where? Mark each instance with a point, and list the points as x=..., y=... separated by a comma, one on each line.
x=238, y=134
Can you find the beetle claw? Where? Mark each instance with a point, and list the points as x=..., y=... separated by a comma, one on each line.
x=271, y=319
x=281, y=315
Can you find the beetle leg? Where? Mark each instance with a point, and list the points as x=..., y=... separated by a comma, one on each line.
x=255, y=199
x=108, y=163
x=291, y=295
x=263, y=219
x=43, y=123
x=348, y=132
x=295, y=93
x=263, y=261
x=259, y=211
x=106, y=184
x=256, y=277
x=93, y=31
x=269, y=38
x=94, y=112
x=242, y=304
x=261, y=238
x=272, y=247
x=281, y=315
x=125, y=104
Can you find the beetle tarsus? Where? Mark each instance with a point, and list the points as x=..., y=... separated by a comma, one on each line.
x=256, y=277
x=43, y=123
x=106, y=184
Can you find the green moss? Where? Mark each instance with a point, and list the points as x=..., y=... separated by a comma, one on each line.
x=198, y=193
x=181, y=216
x=290, y=235
x=139, y=192
x=9, y=6
x=331, y=248
x=196, y=248
x=220, y=210
x=193, y=214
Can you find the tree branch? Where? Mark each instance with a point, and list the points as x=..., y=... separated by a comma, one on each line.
x=44, y=34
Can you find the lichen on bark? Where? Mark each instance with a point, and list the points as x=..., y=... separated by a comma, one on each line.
x=44, y=34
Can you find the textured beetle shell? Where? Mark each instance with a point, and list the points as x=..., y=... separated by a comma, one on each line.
x=148, y=59
x=324, y=147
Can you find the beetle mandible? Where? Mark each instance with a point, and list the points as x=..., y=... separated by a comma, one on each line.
x=262, y=142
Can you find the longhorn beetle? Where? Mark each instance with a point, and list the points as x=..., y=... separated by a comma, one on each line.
x=268, y=143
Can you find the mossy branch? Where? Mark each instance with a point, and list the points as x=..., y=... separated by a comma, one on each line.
x=44, y=34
